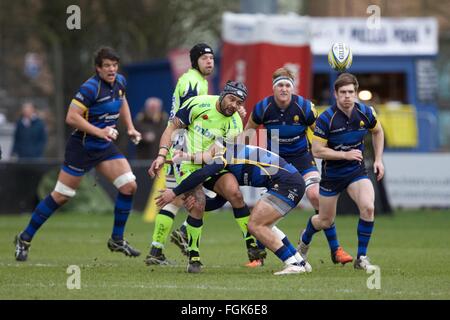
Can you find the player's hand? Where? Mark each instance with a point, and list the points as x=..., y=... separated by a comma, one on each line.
x=180, y=156
x=189, y=203
x=353, y=154
x=378, y=169
x=109, y=133
x=166, y=196
x=134, y=135
x=242, y=112
x=157, y=164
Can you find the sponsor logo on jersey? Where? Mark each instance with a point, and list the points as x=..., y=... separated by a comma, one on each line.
x=79, y=96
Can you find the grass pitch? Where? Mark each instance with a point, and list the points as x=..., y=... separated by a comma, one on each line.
x=411, y=248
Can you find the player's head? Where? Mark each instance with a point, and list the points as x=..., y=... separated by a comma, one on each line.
x=202, y=58
x=283, y=85
x=232, y=97
x=346, y=90
x=106, y=63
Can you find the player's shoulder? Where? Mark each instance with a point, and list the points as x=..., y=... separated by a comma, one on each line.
x=302, y=102
x=328, y=114
x=120, y=78
x=192, y=75
x=365, y=109
x=90, y=87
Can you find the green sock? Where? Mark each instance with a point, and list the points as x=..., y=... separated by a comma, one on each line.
x=194, y=231
x=163, y=225
x=242, y=215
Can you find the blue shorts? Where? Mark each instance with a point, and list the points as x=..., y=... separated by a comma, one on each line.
x=304, y=163
x=330, y=187
x=288, y=187
x=78, y=160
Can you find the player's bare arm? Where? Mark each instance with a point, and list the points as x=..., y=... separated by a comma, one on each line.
x=164, y=145
x=125, y=115
x=378, y=146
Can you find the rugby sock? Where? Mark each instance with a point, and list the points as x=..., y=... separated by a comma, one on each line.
x=364, y=232
x=331, y=235
x=283, y=237
x=163, y=225
x=309, y=232
x=121, y=212
x=260, y=245
x=285, y=255
x=242, y=215
x=41, y=213
x=183, y=227
x=194, y=232
x=289, y=245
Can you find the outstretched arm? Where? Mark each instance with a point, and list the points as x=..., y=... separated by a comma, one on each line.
x=196, y=178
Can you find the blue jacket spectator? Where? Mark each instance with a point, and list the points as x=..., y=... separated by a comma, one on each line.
x=30, y=136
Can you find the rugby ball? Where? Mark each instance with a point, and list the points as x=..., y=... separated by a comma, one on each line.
x=340, y=56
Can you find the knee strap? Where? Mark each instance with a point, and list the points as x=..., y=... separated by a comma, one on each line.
x=311, y=180
x=124, y=179
x=64, y=190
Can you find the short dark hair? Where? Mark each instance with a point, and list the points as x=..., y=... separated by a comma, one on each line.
x=345, y=79
x=105, y=53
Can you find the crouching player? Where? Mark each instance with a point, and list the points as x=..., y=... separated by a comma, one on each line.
x=256, y=167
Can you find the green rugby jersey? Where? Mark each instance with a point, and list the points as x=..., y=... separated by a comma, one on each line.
x=205, y=124
x=190, y=84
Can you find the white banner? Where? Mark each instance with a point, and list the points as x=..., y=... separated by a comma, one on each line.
x=392, y=36
x=417, y=180
x=248, y=29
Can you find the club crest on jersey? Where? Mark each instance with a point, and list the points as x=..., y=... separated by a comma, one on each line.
x=296, y=118
x=361, y=124
x=120, y=93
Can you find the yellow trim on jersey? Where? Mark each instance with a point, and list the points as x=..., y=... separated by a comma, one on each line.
x=320, y=138
x=260, y=165
x=79, y=104
x=378, y=123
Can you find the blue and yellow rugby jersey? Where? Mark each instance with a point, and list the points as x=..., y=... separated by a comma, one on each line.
x=101, y=103
x=255, y=166
x=343, y=134
x=291, y=122
x=252, y=166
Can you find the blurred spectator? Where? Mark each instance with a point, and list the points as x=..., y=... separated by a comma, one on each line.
x=150, y=122
x=30, y=136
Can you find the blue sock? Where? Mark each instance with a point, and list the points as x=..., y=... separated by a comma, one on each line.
x=260, y=245
x=364, y=232
x=121, y=212
x=41, y=213
x=332, y=238
x=309, y=232
x=284, y=254
x=289, y=245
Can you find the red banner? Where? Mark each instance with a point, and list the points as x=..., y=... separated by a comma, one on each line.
x=256, y=45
